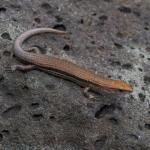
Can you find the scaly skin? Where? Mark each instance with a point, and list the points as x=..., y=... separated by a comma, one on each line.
x=64, y=68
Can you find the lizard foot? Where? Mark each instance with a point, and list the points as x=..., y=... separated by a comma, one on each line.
x=87, y=94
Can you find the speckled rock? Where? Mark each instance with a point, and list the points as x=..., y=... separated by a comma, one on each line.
x=40, y=111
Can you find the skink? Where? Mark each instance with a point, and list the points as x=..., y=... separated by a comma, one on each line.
x=64, y=68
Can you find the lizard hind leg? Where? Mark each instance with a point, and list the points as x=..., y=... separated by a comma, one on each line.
x=22, y=67
x=26, y=67
x=34, y=49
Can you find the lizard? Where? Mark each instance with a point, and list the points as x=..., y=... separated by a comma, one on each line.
x=63, y=68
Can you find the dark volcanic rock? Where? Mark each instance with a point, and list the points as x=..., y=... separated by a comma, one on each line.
x=40, y=111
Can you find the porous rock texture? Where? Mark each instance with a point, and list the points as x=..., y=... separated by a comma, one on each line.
x=40, y=111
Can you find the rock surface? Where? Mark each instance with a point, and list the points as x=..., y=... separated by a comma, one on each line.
x=40, y=111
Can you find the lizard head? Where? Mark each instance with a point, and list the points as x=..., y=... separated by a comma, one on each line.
x=121, y=85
